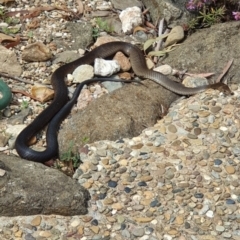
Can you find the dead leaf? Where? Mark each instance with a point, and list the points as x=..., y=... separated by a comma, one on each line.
x=226, y=68
x=35, y=23
x=138, y=28
x=42, y=93
x=4, y=37
x=13, y=44
x=204, y=75
x=80, y=6
x=150, y=25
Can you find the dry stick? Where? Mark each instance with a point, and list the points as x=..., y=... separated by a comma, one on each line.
x=159, y=42
x=14, y=78
x=21, y=80
x=226, y=68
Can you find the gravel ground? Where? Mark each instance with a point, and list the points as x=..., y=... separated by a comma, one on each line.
x=178, y=180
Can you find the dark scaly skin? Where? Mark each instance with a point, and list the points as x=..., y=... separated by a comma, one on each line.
x=61, y=96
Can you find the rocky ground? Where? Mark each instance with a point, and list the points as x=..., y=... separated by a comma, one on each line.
x=178, y=179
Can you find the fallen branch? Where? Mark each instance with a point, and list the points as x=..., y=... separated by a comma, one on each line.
x=15, y=78
x=226, y=68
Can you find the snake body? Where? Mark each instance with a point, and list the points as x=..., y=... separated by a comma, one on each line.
x=60, y=105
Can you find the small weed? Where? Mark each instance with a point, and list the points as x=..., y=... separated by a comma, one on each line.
x=24, y=104
x=210, y=12
x=11, y=30
x=101, y=26
x=30, y=34
x=85, y=140
x=72, y=159
x=211, y=16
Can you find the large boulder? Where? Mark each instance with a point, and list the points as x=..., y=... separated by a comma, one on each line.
x=28, y=188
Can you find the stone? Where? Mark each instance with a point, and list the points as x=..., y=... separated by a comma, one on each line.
x=164, y=69
x=175, y=35
x=143, y=219
x=37, y=193
x=36, y=52
x=82, y=73
x=123, y=61
x=105, y=68
x=230, y=169
x=9, y=63
x=130, y=18
x=123, y=4
x=36, y=221
x=110, y=117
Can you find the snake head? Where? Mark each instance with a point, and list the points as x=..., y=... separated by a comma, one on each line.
x=222, y=87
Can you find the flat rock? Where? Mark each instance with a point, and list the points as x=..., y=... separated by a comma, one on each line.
x=124, y=112
x=29, y=188
x=123, y=4
x=195, y=56
x=9, y=63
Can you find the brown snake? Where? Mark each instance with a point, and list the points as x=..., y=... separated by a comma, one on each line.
x=60, y=105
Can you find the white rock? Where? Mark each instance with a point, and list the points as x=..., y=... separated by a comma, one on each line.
x=167, y=237
x=105, y=67
x=70, y=77
x=154, y=222
x=82, y=73
x=130, y=17
x=210, y=214
x=2, y=172
x=220, y=228
x=164, y=69
x=223, y=128
x=75, y=223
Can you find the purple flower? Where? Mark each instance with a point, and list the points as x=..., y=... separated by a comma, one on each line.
x=191, y=5
x=236, y=15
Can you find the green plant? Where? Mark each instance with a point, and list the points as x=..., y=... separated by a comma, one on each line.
x=71, y=158
x=24, y=104
x=209, y=12
x=11, y=30
x=10, y=22
x=211, y=16
x=30, y=34
x=160, y=53
x=101, y=25
x=85, y=140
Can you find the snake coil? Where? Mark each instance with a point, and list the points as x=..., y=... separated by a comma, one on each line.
x=60, y=105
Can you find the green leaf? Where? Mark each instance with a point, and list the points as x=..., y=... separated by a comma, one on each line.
x=157, y=53
x=149, y=42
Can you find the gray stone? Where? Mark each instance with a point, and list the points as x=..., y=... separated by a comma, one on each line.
x=123, y=4
x=29, y=188
x=81, y=33
x=171, y=11
x=123, y=113
x=9, y=63
x=223, y=36
x=66, y=57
